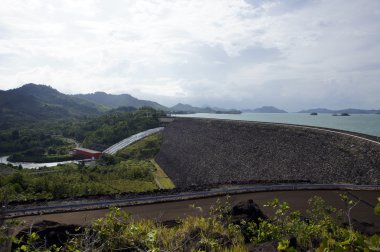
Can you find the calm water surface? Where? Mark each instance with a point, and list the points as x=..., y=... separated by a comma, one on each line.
x=29, y=165
x=367, y=124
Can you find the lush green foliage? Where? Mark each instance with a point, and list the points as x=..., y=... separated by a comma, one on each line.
x=71, y=180
x=320, y=230
x=377, y=207
x=111, y=128
x=144, y=149
x=132, y=171
x=117, y=101
x=31, y=103
x=118, y=231
x=7, y=169
x=52, y=141
x=33, y=141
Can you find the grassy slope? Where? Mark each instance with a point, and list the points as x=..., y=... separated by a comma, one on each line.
x=146, y=149
x=162, y=180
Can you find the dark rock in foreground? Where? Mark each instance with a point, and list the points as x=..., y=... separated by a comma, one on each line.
x=51, y=233
x=207, y=151
x=247, y=210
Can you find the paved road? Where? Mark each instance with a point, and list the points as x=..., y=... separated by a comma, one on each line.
x=130, y=140
x=180, y=196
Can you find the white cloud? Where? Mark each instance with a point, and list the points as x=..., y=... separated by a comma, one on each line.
x=288, y=53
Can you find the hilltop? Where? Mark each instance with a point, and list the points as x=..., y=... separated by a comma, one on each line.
x=33, y=102
x=265, y=109
x=121, y=100
x=36, y=102
x=188, y=109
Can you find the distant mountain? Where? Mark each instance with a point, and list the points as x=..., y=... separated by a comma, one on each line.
x=316, y=110
x=348, y=111
x=265, y=109
x=228, y=111
x=122, y=100
x=39, y=102
x=186, y=108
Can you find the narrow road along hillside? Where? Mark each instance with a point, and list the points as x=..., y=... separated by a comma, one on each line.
x=130, y=140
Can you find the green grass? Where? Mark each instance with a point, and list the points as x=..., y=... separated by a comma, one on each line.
x=71, y=180
x=163, y=181
x=144, y=149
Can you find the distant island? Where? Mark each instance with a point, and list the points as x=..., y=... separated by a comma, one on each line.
x=232, y=111
x=341, y=111
x=341, y=114
x=265, y=109
x=188, y=109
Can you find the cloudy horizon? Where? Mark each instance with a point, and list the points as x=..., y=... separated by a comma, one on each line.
x=233, y=54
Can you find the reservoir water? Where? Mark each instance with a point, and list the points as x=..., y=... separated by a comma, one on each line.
x=362, y=123
x=29, y=165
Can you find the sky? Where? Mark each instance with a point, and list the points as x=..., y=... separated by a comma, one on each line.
x=293, y=54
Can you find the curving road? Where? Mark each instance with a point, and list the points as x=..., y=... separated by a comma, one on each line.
x=78, y=206
x=130, y=140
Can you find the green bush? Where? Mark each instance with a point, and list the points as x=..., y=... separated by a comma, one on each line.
x=318, y=231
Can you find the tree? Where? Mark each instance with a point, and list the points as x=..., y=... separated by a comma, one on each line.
x=15, y=134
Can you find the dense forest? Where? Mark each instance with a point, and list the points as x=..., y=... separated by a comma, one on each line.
x=131, y=170
x=72, y=122
x=52, y=141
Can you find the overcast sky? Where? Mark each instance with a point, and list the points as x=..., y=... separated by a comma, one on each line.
x=227, y=53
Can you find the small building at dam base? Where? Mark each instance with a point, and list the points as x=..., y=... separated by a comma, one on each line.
x=86, y=153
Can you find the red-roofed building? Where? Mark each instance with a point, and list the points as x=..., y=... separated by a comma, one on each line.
x=86, y=153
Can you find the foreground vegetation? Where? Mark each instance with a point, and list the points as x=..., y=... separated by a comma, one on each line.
x=72, y=180
x=319, y=229
x=131, y=170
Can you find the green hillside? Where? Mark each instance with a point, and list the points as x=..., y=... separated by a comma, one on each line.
x=33, y=102
x=122, y=100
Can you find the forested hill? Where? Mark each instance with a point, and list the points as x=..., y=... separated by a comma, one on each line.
x=33, y=102
x=122, y=100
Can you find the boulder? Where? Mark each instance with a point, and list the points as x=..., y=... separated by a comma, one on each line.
x=247, y=210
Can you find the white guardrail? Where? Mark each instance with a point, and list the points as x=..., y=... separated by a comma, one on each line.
x=130, y=140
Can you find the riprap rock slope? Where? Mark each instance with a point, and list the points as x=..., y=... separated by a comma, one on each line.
x=208, y=151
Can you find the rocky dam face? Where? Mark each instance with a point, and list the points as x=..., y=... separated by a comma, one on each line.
x=208, y=151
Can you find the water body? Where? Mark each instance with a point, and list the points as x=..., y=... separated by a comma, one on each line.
x=362, y=123
x=28, y=165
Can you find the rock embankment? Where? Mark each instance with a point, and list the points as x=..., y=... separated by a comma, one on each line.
x=208, y=151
